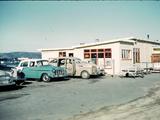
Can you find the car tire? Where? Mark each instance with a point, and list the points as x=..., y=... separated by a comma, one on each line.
x=21, y=75
x=127, y=75
x=45, y=77
x=85, y=75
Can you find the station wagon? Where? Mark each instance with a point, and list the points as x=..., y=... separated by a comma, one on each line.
x=40, y=70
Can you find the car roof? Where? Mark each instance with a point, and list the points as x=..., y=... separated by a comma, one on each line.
x=33, y=60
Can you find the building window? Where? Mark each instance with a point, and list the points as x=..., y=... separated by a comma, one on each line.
x=136, y=55
x=70, y=55
x=86, y=55
x=93, y=55
x=97, y=53
x=100, y=55
x=93, y=50
x=108, y=53
x=100, y=50
x=87, y=50
x=62, y=54
x=126, y=54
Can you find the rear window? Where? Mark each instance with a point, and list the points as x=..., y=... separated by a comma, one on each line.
x=42, y=62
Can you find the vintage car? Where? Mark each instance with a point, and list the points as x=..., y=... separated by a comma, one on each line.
x=132, y=72
x=40, y=70
x=12, y=73
x=6, y=78
x=75, y=66
x=100, y=69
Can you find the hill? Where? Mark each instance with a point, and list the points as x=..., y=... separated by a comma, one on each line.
x=36, y=55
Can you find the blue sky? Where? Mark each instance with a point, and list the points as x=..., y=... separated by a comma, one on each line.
x=30, y=25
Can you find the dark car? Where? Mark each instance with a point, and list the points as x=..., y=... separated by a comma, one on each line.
x=11, y=73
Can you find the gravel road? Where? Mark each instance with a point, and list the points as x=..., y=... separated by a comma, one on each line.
x=80, y=99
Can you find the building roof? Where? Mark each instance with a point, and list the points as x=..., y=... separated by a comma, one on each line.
x=130, y=40
x=156, y=42
x=55, y=49
x=126, y=40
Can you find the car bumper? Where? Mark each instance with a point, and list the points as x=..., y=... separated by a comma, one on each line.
x=7, y=83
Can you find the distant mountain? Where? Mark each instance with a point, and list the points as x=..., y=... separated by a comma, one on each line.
x=36, y=55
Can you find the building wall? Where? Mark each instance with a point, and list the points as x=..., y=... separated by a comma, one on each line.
x=79, y=53
x=49, y=54
x=146, y=51
x=114, y=68
x=53, y=54
x=125, y=63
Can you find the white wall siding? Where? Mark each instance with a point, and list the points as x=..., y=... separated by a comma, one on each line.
x=115, y=59
x=49, y=54
x=125, y=63
x=55, y=54
x=146, y=51
x=115, y=56
x=79, y=53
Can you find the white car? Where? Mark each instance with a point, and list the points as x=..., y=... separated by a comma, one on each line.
x=8, y=71
x=132, y=72
x=76, y=67
x=6, y=78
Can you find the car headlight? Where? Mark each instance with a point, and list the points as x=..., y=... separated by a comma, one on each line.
x=53, y=70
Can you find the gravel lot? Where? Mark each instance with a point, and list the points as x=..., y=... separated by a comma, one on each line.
x=81, y=99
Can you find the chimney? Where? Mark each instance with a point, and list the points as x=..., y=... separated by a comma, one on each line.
x=97, y=40
x=82, y=43
x=147, y=36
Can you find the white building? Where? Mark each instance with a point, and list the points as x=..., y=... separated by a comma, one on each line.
x=113, y=55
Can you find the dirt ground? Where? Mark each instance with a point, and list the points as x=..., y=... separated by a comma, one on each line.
x=103, y=98
x=143, y=108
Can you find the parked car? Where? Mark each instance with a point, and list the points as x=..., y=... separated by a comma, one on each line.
x=133, y=72
x=75, y=66
x=6, y=78
x=100, y=69
x=12, y=71
x=40, y=70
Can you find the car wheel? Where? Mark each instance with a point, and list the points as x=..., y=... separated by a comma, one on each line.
x=45, y=78
x=85, y=75
x=127, y=75
x=21, y=75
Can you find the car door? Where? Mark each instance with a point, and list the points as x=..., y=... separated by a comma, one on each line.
x=22, y=65
x=31, y=70
x=69, y=66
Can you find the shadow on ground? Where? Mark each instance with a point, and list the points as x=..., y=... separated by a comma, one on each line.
x=11, y=88
x=60, y=79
